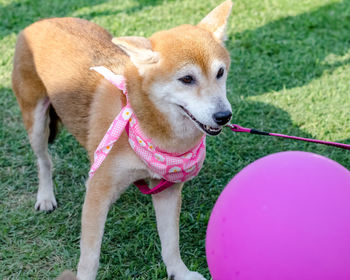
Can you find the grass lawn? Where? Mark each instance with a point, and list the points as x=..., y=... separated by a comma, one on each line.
x=290, y=74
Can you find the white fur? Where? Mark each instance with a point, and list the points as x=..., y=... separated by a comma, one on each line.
x=220, y=33
x=39, y=141
x=202, y=99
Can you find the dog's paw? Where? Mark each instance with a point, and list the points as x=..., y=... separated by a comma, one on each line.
x=190, y=275
x=46, y=204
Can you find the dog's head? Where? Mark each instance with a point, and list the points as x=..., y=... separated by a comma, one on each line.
x=184, y=71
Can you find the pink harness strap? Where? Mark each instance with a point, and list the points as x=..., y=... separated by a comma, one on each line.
x=170, y=167
x=143, y=186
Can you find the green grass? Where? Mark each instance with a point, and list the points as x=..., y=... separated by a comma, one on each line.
x=290, y=74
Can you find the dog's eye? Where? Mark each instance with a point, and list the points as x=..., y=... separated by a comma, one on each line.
x=188, y=80
x=220, y=73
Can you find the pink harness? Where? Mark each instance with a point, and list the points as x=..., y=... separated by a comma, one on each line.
x=170, y=167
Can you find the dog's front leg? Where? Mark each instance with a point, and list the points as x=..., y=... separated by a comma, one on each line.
x=99, y=196
x=167, y=205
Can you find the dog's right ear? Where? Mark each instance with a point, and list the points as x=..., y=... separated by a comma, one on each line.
x=139, y=49
x=216, y=21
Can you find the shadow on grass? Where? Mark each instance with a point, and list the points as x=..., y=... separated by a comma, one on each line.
x=289, y=52
x=19, y=14
x=141, y=4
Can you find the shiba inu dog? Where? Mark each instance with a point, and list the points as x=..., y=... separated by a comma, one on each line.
x=176, y=84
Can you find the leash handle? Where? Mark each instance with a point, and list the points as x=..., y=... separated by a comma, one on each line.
x=238, y=128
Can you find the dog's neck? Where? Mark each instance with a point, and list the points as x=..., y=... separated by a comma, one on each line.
x=170, y=131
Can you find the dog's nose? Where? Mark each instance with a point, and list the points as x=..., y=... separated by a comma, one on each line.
x=222, y=118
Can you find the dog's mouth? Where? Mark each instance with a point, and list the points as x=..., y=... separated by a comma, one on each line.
x=206, y=128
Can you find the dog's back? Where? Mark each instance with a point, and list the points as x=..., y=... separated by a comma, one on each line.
x=63, y=48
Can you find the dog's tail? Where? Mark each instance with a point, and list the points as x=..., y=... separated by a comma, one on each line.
x=54, y=122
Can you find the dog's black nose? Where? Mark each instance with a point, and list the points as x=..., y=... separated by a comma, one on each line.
x=222, y=118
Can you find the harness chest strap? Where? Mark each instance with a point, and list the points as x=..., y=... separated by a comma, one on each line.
x=172, y=168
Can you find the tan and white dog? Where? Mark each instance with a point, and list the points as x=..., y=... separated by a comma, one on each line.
x=176, y=82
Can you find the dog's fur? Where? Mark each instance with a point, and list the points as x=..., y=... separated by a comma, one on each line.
x=52, y=82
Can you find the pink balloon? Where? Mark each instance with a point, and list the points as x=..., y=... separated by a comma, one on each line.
x=284, y=217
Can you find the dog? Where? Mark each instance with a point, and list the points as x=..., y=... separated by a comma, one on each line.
x=176, y=86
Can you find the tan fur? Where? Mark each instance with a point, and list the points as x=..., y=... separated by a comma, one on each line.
x=52, y=61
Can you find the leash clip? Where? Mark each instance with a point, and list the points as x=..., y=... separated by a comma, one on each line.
x=238, y=128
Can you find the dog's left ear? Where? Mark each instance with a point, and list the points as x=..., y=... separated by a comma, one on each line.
x=216, y=21
x=139, y=49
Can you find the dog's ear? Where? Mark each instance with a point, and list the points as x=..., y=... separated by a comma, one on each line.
x=216, y=21
x=139, y=50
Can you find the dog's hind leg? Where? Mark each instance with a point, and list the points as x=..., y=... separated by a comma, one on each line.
x=167, y=205
x=36, y=120
x=39, y=136
x=34, y=102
